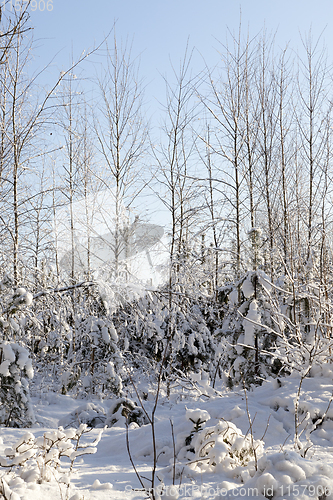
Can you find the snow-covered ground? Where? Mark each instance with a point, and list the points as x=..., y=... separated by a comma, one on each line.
x=211, y=439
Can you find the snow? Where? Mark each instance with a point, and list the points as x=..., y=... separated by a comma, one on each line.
x=22, y=297
x=113, y=333
x=253, y=317
x=4, y=368
x=197, y=415
x=264, y=280
x=98, y=486
x=28, y=299
x=215, y=462
x=8, y=352
x=233, y=297
x=247, y=288
x=105, y=335
x=14, y=325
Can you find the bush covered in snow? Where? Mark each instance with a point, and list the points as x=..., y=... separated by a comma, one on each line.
x=88, y=414
x=38, y=460
x=224, y=447
x=220, y=447
x=15, y=363
x=77, y=342
x=15, y=372
x=287, y=475
x=124, y=411
x=144, y=328
x=121, y=412
x=247, y=340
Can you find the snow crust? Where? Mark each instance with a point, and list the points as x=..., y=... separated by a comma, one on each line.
x=247, y=288
x=252, y=318
x=212, y=442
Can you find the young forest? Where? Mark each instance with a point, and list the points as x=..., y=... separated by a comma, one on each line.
x=210, y=376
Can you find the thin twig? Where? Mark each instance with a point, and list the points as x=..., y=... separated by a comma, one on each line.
x=131, y=459
x=264, y=434
x=174, y=453
x=251, y=428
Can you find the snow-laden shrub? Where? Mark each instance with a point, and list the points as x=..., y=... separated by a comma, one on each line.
x=100, y=357
x=287, y=475
x=124, y=411
x=15, y=372
x=76, y=340
x=219, y=448
x=245, y=341
x=20, y=299
x=302, y=320
x=15, y=364
x=223, y=447
x=121, y=411
x=40, y=459
x=146, y=326
x=198, y=418
x=88, y=414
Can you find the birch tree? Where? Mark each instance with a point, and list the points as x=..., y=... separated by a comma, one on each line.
x=121, y=139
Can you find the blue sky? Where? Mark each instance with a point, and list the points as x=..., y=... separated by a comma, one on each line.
x=160, y=29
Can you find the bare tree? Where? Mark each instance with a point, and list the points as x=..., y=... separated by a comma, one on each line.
x=213, y=223
x=267, y=137
x=285, y=132
x=121, y=135
x=69, y=119
x=174, y=171
x=26, y=111
x=313, y=113
x=227, y=105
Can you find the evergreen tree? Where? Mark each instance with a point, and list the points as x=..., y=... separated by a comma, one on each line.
x=15, y=364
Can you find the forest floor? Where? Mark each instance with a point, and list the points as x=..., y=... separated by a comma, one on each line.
x=277, y=471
